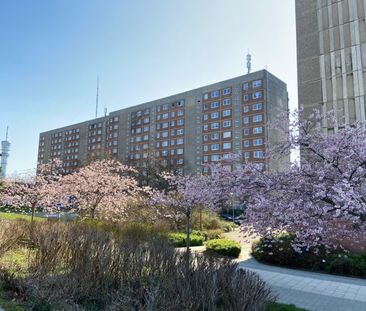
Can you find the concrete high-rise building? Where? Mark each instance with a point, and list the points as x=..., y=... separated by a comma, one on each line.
x=331, y=57
x=4, y=154
x=185, y=130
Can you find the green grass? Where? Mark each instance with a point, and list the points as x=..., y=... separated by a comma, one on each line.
x=274, y=306
x=15, y=216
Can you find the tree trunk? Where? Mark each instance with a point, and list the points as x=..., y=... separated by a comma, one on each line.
x=33, y=212
x=200, y=219
x=188, y=251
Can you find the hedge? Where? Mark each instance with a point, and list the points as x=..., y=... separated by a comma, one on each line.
x=180, y=239
x=224, y=247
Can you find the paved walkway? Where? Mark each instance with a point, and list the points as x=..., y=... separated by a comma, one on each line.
x=312, y=291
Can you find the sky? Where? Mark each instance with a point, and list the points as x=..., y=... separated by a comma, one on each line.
x=51, y=52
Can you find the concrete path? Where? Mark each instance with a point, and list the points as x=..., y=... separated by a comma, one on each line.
x=312, y=291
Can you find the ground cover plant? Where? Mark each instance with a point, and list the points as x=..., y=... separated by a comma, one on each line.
x=80, y=267
x=224, y=247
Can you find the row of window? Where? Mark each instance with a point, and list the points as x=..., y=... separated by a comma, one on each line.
x=216, y=104
x=57, y=135
x=113, y=119
x=55, y=141
x=216, y=147
x=172, y=152
x=112, y=135
x=140, y=121
x=68, y=164
x=255, y=107
x=72, y=157
x=94, y=133
x=96, y=146
x=173, y=142
x=96, y=125
x=256, y=118
x=164, y=107
x=165, y=115
x=112, y=143
x=216, y=125
x=138, y=139
x=139, y=147
x=256, y=142
x=165, y=134
x=73, y=131
x=255, y=95
x=164, y=125
x=71, y=144
x=254, y=84
x=216, y=114
x=139, y=130
x=72, y=137
x=256, y=130
x=141, y=112
x=216, y=93
x=216, y=136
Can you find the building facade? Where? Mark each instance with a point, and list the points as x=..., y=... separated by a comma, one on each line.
x=185, y=130
x=331, y=56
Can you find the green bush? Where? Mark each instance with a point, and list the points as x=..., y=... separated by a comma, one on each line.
x=180, y=239
x=280, y=252
x=224, y=247
x=274, y=306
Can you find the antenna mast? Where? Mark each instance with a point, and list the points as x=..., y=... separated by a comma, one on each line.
x=97, y=99
x=7, y=133
x=249, y=62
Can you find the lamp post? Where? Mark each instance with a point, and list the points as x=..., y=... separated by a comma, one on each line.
x=232, y=205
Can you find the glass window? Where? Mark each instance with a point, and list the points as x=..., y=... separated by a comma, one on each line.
x=146, y=128
x=147, y=120
x=257, y=83
x=172, y=142
x=245, y=86
x=205, y=159
x=226, y=134
x=257, y=130
x=226, y=123
x=179, y=161
x=226, y=91
x=180, y=151
x=214, y=115
x=180, y=141
x=165, y=115
x=215, y=125
x=172, y=114
x=164, y=134
x=180, y=112
x=226, y=113
x=245, y=97
x=205, y=96
x=165, y=106
x=257, y=106
x=215, y=136
x=205, y=106
x=146, y=137
x=215, y=94
x=215, y=157
x=226, y=102
x=172, y=123
x=245, y=120
x=257, y=95
x=180, y=122
x=164, y=143
x=172, y=133
x=205, y=148
x=258, y=154
x=246, y=154
x=164, y=153
x=215, y=147
x=258, y=142
x=257, y=118
x=205, y=138
x=245, y=108
x=205, y=127
x=226, y=146
x=165, y=125
x=246, y=143
x=215, y=104
x=180, y=131
x=246, y=131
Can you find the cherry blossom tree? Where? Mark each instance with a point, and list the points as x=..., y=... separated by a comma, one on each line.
x=100, y=189
x=33, y=190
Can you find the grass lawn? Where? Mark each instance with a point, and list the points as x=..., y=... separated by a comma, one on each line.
x=282, y=307
x=14, y=216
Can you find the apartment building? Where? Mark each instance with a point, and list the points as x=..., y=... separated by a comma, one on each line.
x=185, y=130
x=331, y=53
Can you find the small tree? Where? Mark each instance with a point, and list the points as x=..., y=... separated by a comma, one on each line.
x=33, y=191
x=100, y=189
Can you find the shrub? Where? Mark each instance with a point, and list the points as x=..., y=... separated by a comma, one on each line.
x=224, y=247
x=180, y=239
x=212, y=234
x=280, y=252
x=83, y=268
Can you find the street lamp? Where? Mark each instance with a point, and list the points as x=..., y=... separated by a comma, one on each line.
x=232, y=205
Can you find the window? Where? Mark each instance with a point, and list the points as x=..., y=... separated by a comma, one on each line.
x=164, y=143
x=137, y=156
x=180, y=122
x=157, y=144
x=226, y=134
x=205, y=127
x=179, y=161
x=158, y=117
x=258, y=142
x=215, y=157
x=257, y=130
x=257, y=95
x=147, y=120
x=205, y=138
x=215, y=136
x=205, y=170
x=180, y=141
x=138, y=130
x=246, y=143
x=246, y=131
x=226, y=102
x=165, y=125
x=245, y=97
x=215, y=125
x=258, y=154
x=226, y=113
x=165, y=106
x=138, y=139
x=226, y=146
x=226, y=123
x=165, y=115
x=214, y=115
x=172, y=123
x=172, y=152
x=172, y=142
x=172, y=114
x=146, y=137
x=205, y=159
x=139, y=113
x=246, y=155
x=257, y=83
x=164, y=153
x=146, y=128
x=205, y=96
x=147, y=111
x=180, y=112
x=257, y=106
x=172, y=133
x=205, y=148
x=215, y=147
x=226, y=91
x=180, y=131
x=180, y=151
x=215, y=104
x=164, y=134
x=215, y=94
x=245, y=108
x=245, y=86
x=257, y=118
x=226, y=156
x=205, y=106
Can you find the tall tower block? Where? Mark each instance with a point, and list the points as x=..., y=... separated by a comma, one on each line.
x=5, y=150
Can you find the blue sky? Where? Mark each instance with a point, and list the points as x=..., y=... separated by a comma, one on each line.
x=52, y=50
